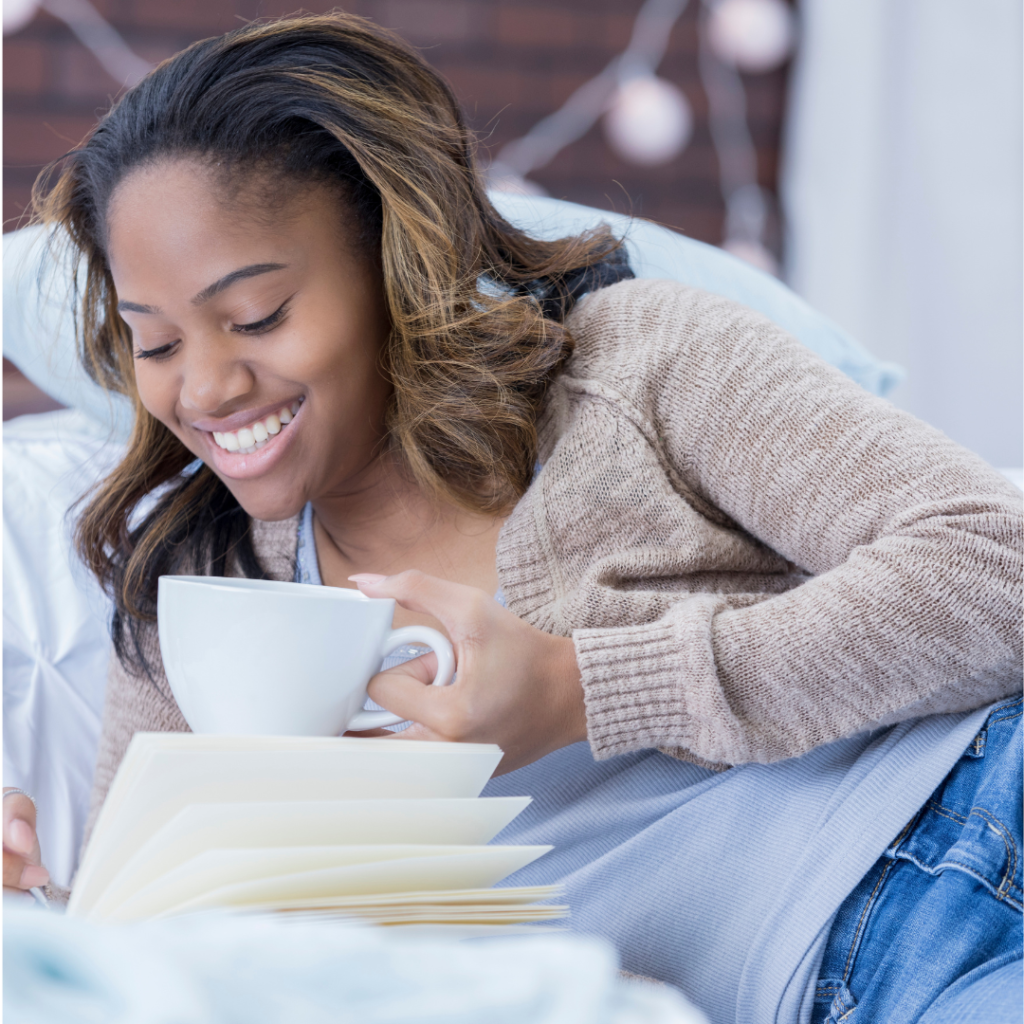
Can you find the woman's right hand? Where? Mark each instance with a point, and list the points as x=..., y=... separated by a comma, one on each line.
x=22, y=860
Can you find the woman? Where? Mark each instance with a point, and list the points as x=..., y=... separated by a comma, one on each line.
x=711, y=552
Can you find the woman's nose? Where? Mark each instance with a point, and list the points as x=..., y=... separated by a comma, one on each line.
x=213, y=376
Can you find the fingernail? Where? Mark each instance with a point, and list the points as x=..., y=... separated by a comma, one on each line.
x=22, y=838
x=34, y=874
x=367, y=577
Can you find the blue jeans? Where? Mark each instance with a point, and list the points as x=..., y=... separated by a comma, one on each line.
x=932, y=934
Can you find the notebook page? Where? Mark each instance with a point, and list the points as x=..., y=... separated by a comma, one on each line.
x=217, y=868
x=173, y=770
x=201, y=827
x=479, y=868
x=440, y=898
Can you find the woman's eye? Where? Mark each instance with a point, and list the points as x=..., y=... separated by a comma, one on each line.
x=155, y=353
x=266, y=324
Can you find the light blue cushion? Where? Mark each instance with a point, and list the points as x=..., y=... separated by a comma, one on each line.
x=39, y=333
x=658, y=252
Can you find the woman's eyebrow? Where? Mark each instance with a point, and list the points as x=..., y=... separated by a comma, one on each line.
x=253, y=270
x=135, y=307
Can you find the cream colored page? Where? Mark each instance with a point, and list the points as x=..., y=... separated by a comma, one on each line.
x=443, y=897
x=174, y=770
x=478, y=868
x=214, y=869
x=201, y=827
x=467, y=915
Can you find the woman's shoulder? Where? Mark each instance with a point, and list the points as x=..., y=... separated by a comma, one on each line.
x=643, y=322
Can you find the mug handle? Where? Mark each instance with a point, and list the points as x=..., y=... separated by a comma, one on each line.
x=399, y=638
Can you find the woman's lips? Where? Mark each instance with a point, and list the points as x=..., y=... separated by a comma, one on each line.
x=255, y=460
x=256, y=434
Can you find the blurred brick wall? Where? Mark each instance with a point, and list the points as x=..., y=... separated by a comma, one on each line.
x=511, y=62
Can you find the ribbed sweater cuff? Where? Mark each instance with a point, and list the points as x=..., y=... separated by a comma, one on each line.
x=656, y=685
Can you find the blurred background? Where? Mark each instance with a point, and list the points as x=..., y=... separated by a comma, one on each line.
x=869, y=152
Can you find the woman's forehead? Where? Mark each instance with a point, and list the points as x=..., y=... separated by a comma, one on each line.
x=232, y=197
x=171, y=231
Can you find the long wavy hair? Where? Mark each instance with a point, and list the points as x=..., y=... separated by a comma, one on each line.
x=476, y=305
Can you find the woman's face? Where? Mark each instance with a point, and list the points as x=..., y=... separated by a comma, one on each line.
x=257, y=336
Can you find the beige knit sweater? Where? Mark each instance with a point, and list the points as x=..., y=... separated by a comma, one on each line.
x=752, y=555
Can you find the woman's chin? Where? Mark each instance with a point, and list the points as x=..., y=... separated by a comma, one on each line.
x=267, y=507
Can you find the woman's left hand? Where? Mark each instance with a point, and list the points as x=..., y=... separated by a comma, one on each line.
x=517, y=686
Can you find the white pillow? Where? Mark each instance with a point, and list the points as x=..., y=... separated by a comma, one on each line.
x=56, y=639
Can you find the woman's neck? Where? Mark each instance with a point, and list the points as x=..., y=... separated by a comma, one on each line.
x=384, y=523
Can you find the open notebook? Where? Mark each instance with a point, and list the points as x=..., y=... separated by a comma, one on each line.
x=391, y=832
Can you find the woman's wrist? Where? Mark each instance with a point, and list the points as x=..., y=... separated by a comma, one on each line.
x=567, y=681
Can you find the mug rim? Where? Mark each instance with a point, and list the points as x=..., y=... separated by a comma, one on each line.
x=285, y=588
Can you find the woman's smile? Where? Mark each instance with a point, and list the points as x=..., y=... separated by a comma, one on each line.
x=250, y=450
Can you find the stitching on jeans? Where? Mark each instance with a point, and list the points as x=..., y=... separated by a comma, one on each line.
x=863, y=914
x=895, y=844
x=1006, y=885
x=1008, y=842
x=974, y=872
x=947, y=812
x=1006, y=718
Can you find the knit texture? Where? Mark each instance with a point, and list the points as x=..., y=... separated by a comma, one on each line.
x=752, y=555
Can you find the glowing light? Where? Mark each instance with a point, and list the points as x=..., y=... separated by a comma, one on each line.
x=752, y=35
x=18, y=13
x=649, y=121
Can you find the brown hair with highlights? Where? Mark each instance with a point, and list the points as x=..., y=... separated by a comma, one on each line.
x=476, y=305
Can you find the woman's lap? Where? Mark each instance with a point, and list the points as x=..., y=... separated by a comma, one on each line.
x=935, y=925
x=725, y=884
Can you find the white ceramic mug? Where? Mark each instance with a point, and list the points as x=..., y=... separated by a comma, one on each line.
x=259, y=657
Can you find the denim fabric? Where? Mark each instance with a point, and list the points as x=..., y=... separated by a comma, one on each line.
x=933, y=932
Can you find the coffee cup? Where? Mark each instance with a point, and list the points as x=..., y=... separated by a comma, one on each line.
x=261, y=657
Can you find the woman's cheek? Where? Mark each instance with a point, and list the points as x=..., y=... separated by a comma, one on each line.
x=158, y=398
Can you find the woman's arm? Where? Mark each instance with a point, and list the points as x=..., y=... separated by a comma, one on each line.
x=914, y=606
x=915, y=545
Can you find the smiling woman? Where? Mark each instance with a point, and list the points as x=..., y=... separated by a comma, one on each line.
x=225, y=360
x=648, y=519
x=260, y=247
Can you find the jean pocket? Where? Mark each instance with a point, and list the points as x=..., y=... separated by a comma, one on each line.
x=833, y=1003
x=972, y=823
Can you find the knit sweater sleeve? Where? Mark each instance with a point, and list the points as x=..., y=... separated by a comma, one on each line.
x=913, y=546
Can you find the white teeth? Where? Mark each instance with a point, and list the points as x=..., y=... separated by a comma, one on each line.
x=253, y=437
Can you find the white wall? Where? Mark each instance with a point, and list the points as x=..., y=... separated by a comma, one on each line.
x=903, y=189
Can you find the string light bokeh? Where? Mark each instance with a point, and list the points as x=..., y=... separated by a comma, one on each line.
x=645, y=118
